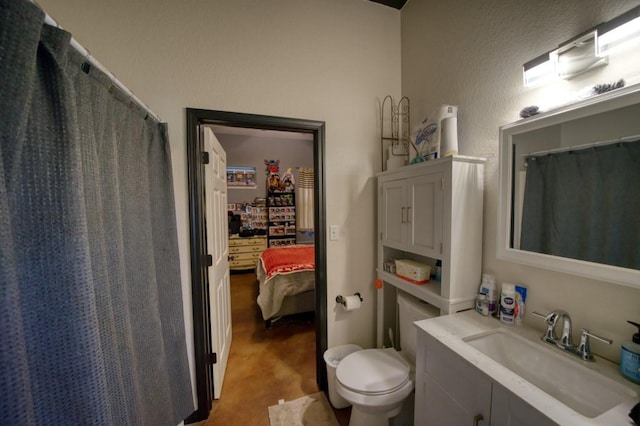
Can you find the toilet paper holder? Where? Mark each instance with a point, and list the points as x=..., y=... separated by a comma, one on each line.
x=341, y=300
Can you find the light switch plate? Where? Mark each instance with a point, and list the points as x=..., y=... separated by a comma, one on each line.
x=334, y=231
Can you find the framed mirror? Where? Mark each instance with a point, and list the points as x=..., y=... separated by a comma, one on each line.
x=536, y=226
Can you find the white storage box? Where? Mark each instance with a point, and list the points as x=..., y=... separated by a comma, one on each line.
x=412, y=271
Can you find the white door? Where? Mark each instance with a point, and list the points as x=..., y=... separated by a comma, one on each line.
x=216, y=223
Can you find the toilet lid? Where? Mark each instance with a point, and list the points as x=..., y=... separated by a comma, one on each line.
x=373, y=371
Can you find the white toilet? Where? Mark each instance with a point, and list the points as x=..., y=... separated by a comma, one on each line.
x=377, y=381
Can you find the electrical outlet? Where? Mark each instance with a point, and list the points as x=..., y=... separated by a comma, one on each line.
x=334, y=231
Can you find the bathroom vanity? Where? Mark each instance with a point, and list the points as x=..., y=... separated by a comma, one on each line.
x=429, y=212
x=473, y=370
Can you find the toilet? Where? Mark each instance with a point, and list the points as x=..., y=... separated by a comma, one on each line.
x=377, y=381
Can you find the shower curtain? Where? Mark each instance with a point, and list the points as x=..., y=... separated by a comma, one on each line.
x=585, y=205
x=91, y=321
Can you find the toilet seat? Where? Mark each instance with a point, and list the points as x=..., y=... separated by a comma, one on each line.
x=373, y=372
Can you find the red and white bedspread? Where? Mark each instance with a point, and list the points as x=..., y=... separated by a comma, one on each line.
x=284, y=271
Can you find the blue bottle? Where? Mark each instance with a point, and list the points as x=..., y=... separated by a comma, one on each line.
x=630, y=357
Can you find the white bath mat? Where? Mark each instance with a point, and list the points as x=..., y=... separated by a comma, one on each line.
x=310, y=410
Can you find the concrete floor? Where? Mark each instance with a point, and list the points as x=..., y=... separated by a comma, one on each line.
x=264, y=365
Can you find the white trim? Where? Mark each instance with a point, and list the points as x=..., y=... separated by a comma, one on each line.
x=596, y=105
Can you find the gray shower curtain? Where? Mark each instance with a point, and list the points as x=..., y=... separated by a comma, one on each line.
x=585, y=205
x=91, y=320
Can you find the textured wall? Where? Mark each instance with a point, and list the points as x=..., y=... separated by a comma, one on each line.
x=327, y=60
x=470, y=54
x=251, y=151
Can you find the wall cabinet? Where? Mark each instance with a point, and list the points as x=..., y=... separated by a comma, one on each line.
x=244, y=252
x=451, y=391
x=412, y=214
x=428, y=212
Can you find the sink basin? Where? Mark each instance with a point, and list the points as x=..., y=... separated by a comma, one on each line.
x=565, y=379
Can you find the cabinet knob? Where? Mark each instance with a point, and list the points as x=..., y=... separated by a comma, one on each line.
x=477, y=419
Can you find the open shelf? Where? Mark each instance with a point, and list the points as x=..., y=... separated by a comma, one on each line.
x=429, y=292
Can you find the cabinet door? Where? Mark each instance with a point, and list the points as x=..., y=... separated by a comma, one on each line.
x=450, y=391
x=442, y=410
x=394, y=214
x=509, y=410
x=424, y=216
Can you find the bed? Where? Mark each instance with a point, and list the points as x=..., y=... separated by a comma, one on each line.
x=286, y=276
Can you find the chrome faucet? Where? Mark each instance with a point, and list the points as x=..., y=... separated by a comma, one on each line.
x=552, y=319
x=583, y=350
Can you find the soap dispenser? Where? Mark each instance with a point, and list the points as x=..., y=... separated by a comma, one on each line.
x=630, y=357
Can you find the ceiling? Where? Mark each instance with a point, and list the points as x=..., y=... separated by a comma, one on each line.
x=396, y=4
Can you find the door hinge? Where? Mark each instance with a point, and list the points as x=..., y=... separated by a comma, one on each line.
x=442, y=183
x=205, y=157
x=441, y=247
x=209, y=260
x=212, y=358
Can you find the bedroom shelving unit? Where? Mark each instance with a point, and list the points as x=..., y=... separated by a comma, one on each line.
x=281, y=210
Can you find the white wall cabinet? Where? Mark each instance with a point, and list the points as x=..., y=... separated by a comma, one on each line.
x=412, y=214
x=428, y=212
x=451, y=391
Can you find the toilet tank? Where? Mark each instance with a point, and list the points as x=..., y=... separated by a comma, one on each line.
x=410, y=310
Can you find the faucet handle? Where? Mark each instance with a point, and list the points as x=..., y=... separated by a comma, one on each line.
x=584, y=349
x=539, y=315
x=550, y=319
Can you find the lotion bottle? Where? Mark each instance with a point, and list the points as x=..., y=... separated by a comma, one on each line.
x=630, y=357
x=508, y=304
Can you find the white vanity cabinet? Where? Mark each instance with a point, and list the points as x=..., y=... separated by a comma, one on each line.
x=509, y=410
x=451, y=391
x=430, y=212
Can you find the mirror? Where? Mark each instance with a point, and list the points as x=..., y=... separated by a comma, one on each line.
x=602, y=120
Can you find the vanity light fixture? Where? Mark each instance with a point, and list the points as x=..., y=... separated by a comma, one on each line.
x=578, y=55
x=541, y=70
x=620, y=32
x=586, y=51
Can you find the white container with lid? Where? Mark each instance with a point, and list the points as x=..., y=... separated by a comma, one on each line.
x=482, y=304
x=488, y=287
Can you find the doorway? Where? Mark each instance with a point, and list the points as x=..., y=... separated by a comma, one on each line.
x=196, y=160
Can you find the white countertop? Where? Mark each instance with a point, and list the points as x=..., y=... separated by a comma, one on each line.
x=450, y=330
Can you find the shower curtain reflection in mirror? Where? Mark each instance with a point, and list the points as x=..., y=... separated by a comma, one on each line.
x=585, y=204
